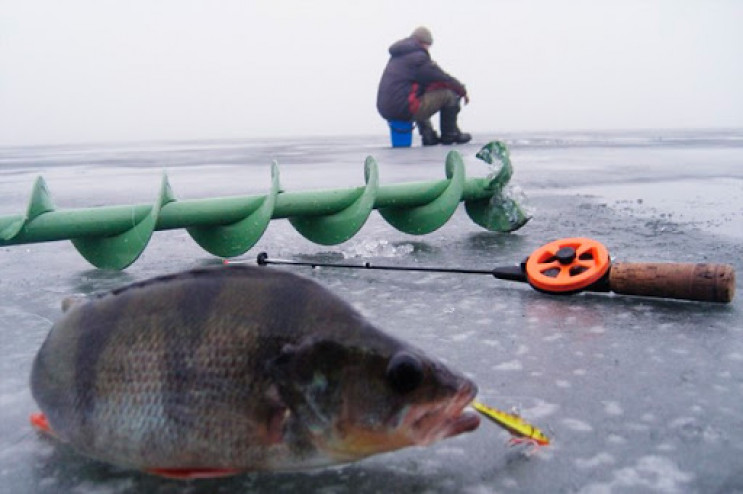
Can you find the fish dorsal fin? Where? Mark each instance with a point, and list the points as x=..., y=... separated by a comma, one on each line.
x=73, y=301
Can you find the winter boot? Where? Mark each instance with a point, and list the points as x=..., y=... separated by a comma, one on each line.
x=450, y=133
x=429, y=137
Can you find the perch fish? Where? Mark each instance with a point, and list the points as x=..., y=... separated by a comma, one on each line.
x=218, y=371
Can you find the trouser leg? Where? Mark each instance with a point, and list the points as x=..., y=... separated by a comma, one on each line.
x=429, y=137
x=446, y=102
x=430, y=103
x=450, y=133
x=433, y=101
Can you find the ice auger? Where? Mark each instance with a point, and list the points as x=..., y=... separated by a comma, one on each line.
x=113, y=237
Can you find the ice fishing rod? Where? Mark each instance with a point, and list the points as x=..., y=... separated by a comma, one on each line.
x=572, y=265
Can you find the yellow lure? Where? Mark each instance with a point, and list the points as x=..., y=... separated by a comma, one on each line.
x=514, y=424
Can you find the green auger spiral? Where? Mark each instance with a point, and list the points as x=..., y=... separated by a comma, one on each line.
x=114, y=237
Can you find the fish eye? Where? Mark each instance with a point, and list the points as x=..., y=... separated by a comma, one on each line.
x=404, y=372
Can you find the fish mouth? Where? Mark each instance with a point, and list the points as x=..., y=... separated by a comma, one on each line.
x=417, y=424
x=430, y=423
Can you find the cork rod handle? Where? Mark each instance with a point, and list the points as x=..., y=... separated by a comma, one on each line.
x=702, y=282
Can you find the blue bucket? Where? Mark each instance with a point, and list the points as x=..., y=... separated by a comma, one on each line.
x=401, y=133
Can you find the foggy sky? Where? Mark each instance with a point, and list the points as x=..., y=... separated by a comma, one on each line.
x=104, y=70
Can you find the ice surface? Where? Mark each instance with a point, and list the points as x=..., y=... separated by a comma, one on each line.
x=375, y=248
x=637, y=395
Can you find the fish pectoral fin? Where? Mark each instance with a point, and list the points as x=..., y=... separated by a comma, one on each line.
x=41, y=423
x=276, y=425
x=193, y=473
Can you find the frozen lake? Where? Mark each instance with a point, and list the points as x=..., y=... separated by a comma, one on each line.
x=637, y=394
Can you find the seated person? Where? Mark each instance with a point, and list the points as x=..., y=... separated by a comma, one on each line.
x=414, y=88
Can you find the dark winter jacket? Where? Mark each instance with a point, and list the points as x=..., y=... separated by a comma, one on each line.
x=409, y=73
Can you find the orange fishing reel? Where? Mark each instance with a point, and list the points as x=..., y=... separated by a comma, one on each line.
x=567, y=265
x=570, y=265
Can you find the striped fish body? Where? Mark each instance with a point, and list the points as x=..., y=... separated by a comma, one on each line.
x=236, y=369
